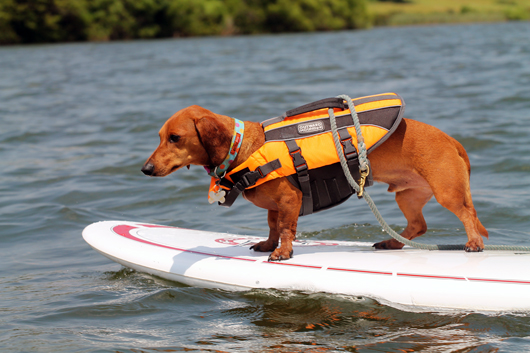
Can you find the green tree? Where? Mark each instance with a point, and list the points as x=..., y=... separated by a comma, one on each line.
x=7, y=33
x=36, y=21
x=301, y=15
x=127, y=19
x=198, y=17
x=30, y=21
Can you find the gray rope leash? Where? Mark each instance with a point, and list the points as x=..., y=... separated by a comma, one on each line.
x=363, y=162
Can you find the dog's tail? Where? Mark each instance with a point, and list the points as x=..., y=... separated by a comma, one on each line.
x=463, y=154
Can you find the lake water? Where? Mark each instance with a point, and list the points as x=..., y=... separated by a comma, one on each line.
x=77, y=121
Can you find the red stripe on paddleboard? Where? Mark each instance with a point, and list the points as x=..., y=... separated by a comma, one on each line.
x=158, y=226
x=430, y=276
x=288, y=264
x=498, y=280
x=359, y=271
x=125, y=231
x=468, y=279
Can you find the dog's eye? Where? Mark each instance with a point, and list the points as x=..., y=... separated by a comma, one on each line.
x=174, y=138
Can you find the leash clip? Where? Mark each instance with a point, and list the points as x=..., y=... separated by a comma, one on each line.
x=364, y=175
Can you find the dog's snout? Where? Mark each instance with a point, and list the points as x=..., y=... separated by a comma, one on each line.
x=148, y=169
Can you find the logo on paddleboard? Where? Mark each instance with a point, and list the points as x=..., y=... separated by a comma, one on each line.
x=241, y=241
x=249, y=241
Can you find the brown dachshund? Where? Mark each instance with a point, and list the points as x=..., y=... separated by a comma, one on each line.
x=417, y=161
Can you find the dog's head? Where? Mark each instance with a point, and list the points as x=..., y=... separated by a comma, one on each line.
x=193, y=135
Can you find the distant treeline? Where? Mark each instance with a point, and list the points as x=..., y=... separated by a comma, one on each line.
x=39, y=21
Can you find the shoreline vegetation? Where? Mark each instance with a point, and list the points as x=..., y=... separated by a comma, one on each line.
x=51, y=21
x=415, y=12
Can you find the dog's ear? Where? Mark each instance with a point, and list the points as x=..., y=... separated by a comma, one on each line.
x=215, y=138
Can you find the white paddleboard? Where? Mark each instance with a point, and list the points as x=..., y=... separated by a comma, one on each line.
x=487, y=281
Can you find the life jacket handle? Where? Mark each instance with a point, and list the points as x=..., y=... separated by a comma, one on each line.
x=306, y=108
x=320, y=104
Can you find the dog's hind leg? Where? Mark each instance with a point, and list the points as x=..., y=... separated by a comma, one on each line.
x=418, y=156
x=410, y=202
x=452, y=190
x=457, y=199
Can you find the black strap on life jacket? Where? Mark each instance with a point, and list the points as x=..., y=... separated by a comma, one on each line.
x=245, y=179
x=302, y=171
x=350, y=152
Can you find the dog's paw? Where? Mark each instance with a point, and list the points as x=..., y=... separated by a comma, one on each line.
x=277, y=255
x=474, y=246
x=390, y=244
x=264, y=246
x=468, y=249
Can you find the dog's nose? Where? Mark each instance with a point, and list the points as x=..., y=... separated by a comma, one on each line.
x=148, y=169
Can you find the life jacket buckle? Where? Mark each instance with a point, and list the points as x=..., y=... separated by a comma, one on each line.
x=349, y=149
x=292, y=153
x=301, y=168
x=258, y=169
x=250, y=178
x=298, y=161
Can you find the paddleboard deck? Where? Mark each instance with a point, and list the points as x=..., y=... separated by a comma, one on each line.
x=486, y=281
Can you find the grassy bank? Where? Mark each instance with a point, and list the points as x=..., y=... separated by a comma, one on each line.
x=410, y=12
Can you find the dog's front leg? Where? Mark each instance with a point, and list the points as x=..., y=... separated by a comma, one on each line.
x=272, y=242
x=283, y=200
x=286, y=228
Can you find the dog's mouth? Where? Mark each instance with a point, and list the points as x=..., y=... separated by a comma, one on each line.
x=178, y=167
x=150, y=170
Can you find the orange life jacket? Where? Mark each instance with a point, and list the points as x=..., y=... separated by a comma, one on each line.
x=299, y=145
